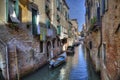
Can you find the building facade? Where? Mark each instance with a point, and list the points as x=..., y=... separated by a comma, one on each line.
x=74, y=30
x=102, y=36
x=31, y=33
x=110, y=58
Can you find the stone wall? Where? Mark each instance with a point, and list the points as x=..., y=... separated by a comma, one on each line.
x=23, y=49
x=111, y=38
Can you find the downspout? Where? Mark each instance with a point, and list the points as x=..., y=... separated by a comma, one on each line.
x=7, y=60
x=100, y=39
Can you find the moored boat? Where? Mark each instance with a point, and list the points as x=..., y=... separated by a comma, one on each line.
x=57, y=61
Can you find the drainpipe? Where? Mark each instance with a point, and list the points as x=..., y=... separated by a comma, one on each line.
x=7, y=60
x=100, y=39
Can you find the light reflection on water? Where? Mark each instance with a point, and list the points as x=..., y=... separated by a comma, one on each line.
x=74, y=69
x=79, y=72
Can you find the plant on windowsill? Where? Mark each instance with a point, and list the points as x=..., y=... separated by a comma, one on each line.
x=92, y=23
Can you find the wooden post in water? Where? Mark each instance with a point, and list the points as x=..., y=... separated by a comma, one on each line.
x=17, y=67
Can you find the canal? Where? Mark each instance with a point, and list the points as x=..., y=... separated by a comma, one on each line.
x=77, y=67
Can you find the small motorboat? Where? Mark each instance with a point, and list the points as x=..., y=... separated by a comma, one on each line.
x=59, y=60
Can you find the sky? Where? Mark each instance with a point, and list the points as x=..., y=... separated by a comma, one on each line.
x=77, y=11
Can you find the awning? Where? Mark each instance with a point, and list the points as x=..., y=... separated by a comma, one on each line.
x=12, y=14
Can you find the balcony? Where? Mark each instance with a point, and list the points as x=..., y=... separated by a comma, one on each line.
x=94, y=24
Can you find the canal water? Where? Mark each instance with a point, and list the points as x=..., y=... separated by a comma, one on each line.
x=77, y=67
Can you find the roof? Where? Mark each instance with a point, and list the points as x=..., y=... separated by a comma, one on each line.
x=74, y=20
x=66, y=4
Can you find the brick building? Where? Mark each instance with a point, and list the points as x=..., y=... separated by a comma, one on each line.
x=110, y=56
x=103, y=36
x=31, y=32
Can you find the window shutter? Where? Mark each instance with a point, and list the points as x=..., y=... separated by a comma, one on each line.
x=57, y=3
x=98, y=13
x=17, y=8
x=48, y=23
x=34, y=22
x=103, y=6
x=106, y=4
x=58, y=29
x=6, y=10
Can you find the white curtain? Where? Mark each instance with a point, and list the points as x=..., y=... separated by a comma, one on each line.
x=38, y=25
x=12, y=13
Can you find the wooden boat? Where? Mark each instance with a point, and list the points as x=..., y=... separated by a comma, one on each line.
x=59, y=60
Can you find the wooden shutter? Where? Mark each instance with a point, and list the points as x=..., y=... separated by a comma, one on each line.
x=17, y=8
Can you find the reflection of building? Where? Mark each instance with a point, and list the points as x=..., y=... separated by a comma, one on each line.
x=102, y=36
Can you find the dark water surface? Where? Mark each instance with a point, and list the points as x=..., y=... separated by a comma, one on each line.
x=76, y=68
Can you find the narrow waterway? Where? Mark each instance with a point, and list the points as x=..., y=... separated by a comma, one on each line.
x=76, y=68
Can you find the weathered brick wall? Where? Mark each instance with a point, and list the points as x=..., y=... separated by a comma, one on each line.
x=110, y=22
x=22, y=44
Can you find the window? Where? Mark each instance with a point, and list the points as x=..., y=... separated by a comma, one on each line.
x=104, y=53
x=14, y=11
x=58, y=18
x=7, y=10
x=98, y=13
x=66, y=15
x=58, y=30
x=60, y=7
x=89, y=13
x=53, y=42
x=103, y=6
x=90, y=44
x=48, y=23
x=58, y=4
x=58, y=42
x=34, y=21
x=106, y=4
x=41, y=46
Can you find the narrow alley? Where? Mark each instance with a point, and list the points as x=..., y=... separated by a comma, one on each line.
x=76, y=68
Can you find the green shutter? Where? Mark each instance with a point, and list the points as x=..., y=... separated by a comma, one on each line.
x=58, y=4
x=17, y=8
x=34, y=22
x=58, y=30
x=48, y=23
x=6, y=10
x=106, y=4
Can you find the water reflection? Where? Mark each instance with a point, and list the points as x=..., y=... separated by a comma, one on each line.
x=76, y=68
x=79, y=71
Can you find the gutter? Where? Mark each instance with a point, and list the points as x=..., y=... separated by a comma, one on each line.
x=7, y=60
